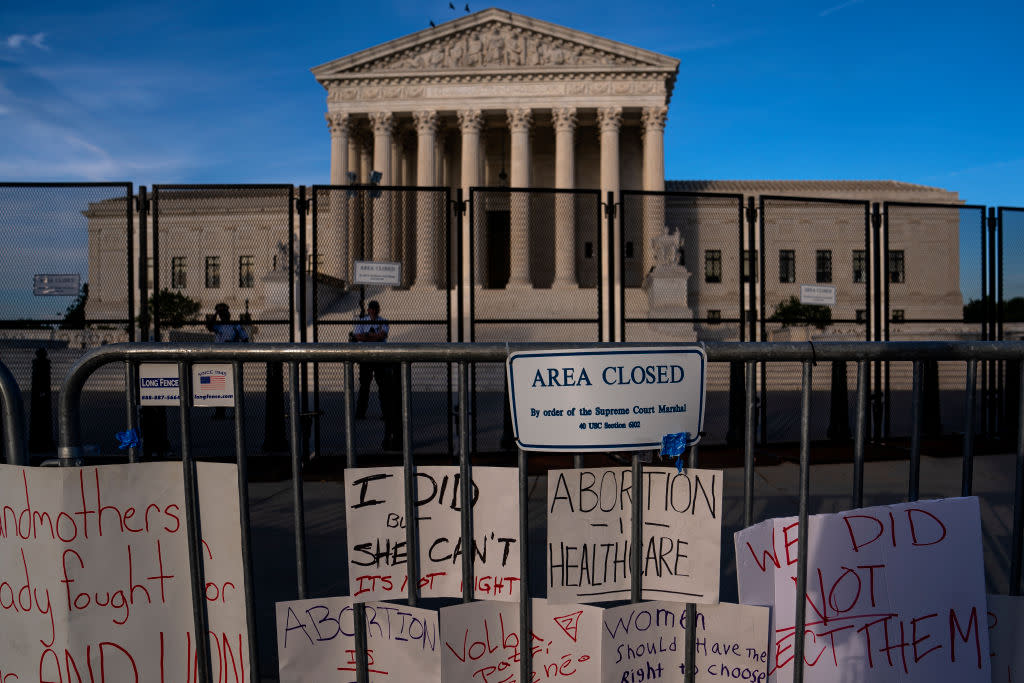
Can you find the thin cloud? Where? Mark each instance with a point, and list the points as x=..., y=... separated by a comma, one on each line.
x=841, y=6
x=16, y=40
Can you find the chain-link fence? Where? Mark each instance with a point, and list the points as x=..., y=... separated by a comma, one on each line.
x=410, y=227
x=68, y=256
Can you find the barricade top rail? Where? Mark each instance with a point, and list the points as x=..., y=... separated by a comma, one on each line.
x=70, y=395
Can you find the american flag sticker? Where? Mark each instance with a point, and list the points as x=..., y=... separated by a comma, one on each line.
x=217, y=381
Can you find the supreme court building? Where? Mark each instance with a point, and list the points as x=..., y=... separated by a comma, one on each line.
x=499, y=100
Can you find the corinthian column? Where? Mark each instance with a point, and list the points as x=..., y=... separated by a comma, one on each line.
x=383, y=123
x=609, y=120
x=519, y=123
x=653, y=119
x=426, y=202
x=471, y=123
x=565, y=205
x=334, y=246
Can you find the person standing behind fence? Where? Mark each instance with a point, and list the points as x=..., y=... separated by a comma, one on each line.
x=374, y=329
x=224, y=332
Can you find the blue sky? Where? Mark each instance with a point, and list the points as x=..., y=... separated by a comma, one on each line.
x=221, y=92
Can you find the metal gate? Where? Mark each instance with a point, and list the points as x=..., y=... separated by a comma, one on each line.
x=810, y=242
x=535, y=255
x=410, y=226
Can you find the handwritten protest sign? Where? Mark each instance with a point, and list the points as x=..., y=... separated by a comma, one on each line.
x=599, y=399
x=375, y=521
x=316, y=642
x=894, y=593
x=94, y=574
x=589, y=516
x=481, y=642
x=1006, y=638
x=647, y=642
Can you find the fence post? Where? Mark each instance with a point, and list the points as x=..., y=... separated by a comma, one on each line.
x=839, y=414
x=931, y=420
x=273, y=419
x=40, y=431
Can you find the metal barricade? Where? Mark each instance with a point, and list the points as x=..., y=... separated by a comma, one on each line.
x=13, y=418
x=463, y=355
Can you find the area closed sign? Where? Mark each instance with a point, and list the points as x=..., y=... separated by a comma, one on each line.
x=601, y=400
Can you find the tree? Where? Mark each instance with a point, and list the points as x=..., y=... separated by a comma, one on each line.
x=74, y=317
x=1013, y=310
x=792, y=312
x=176, y=309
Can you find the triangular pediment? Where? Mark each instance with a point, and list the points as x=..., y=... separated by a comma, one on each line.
x=494, y=40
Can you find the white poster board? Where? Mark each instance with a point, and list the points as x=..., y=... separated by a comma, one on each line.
x=1006, y=638
x=879, y=579
x=375, y=523
x=647, y=642
x=601, y=400
x=158, y=384
x=377, y=273
x=94, y=573
x=589, y=517
x=316, y=642
x=481, y=642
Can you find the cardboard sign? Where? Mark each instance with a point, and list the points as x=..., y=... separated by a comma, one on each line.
x=377, y=273
x=818, y=295
x=647, y=642
x=158, y=384
x=316, y=642
x=589, y=517
x=481, y=642
x=375, y=521
x=94, y=574
x=57, y=285
x=894, y=593
x=1006, y=637
x=600, y=400
x=213, y=385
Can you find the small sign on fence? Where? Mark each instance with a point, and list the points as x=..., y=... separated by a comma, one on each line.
x=818, y=295
x=377, y=273
x=57, y=285
x=213, y=385
x=600, y=400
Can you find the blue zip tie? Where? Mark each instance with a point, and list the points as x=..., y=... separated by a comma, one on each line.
x=127, y=439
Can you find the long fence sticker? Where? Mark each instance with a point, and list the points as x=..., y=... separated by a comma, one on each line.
x=480, y=642
x=1006, y=636
x=94, y=574
x=589, y=517
x=647, y=642
x=600, y=400
x=375, y=522
x=316, y=642
x=894, y=593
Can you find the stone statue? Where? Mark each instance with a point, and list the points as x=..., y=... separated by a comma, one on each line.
x=666, y=247
x=667, y=283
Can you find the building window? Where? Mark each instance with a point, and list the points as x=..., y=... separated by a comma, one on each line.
x=213, y=272
x=314, y=267
x=713, y=265
x=714, y=316
x=629, y=249
x=897, y=272
x=588, y=250
x=178, y=273
x=860, y=266
x=898, y=315
x=787, y=265
x=823, y=265
x=245, y=275
x=749, y=264
x=862, y=315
